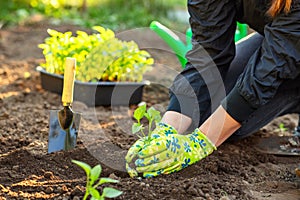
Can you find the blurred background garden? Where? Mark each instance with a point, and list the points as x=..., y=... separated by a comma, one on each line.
x=117, y=15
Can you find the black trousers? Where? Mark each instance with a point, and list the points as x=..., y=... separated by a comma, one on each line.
x=286, y=100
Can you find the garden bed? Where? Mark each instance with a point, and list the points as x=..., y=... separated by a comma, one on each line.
x=235, y=171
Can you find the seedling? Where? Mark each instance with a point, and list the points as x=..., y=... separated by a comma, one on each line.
x=115, y=60
x=100, y=56
x=281, y=128
x=93, y=175
x=60, y=45
x=152, y=115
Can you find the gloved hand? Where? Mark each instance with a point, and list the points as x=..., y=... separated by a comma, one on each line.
x=167, y=153
x=162, y=129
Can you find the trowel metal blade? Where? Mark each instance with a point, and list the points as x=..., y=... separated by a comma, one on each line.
x=59, y=138
x=279, y=145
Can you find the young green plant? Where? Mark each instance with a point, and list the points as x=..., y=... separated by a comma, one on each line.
x=152, y=115
x=281, y=129
x=99, y=56
x=93, y=175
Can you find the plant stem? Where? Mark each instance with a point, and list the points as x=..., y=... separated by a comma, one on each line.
x=139, y=122
x=95, y=186
x=86, y=194
x=143, y=133
x=149, y=128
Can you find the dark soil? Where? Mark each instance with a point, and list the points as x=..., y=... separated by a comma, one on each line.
x=234, y=171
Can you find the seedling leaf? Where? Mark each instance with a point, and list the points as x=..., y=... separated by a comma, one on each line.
x=100, y=198
x=108, y=180
x=84, y=166
x=151, y=114
x=94, y=192
x=95, y=173
x=147, y=115
x=139, y=112
x=91, y=189
x=136, y=127
x=111, y=192
x=154, y=114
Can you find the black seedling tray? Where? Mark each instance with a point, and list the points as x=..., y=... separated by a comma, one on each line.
x=98, y=93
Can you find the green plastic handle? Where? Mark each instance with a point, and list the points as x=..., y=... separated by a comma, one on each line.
x=172, y=40
x=179, y=47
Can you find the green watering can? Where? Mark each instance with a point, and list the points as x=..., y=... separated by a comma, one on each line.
x=180, y=48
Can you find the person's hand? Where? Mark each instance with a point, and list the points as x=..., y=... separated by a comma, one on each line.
x=171, y=153
x=161, y=130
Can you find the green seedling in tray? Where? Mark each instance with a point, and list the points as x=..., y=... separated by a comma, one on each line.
x=60, y=45
x=93, y=181
x=115, y=60
x=100, y=56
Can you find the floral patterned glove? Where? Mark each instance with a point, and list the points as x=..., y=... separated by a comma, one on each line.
x=170, y=153
x=161, y=130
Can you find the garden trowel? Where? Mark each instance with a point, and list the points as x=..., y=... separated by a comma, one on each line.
x=281, y=145
x=64, y=123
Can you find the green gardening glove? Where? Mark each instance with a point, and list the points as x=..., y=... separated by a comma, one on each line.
x=160, y=130
x=166, y=154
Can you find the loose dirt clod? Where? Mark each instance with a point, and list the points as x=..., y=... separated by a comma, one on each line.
x=297, y=170
x=48, y=175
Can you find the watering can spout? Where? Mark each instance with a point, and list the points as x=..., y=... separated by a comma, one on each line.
x=172, y=40
x=178, y=47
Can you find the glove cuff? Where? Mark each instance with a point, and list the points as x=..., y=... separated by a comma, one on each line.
x=204, y=142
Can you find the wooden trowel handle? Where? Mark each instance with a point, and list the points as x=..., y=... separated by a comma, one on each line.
x=69, y=77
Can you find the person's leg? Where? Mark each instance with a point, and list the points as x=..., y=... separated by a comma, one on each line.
x=244, y=49
x=195, y=89
x=284, y=102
